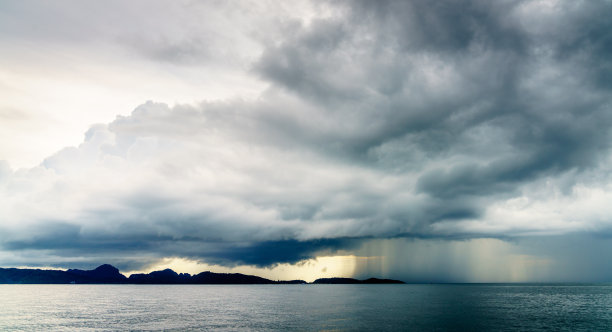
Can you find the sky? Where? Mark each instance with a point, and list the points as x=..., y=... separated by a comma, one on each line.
x=447, y=141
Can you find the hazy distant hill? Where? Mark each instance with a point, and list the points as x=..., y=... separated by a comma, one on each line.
x=108, y=274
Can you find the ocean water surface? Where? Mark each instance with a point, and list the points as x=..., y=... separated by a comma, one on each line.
x=305, y=307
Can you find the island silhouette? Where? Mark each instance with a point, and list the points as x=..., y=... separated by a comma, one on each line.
x=108, y=274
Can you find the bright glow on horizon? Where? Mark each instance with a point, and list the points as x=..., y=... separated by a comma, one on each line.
x=310, y=270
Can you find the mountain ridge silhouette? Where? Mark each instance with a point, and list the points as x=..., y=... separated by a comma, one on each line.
x=108, y=274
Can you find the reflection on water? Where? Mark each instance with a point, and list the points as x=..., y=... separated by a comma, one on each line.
x=305, y=307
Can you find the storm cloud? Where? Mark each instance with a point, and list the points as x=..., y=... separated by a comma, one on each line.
x=387, y=119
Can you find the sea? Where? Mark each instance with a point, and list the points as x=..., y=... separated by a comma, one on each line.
x=409, y=307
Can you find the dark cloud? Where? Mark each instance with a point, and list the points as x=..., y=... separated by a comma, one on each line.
x=446, y=26
x=496, y=82
x=269, y=253
x=445, y=120
x=67, y=240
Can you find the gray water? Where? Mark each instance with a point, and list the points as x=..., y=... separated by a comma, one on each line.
x=305, y=307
